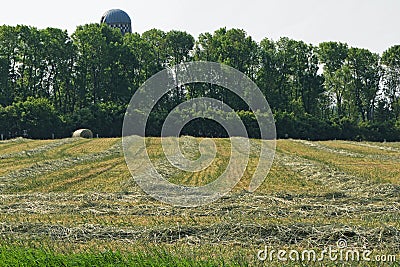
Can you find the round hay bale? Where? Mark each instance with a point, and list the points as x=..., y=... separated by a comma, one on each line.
x=84, y=133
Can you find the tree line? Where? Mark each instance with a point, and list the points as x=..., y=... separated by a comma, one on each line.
x=52, y=83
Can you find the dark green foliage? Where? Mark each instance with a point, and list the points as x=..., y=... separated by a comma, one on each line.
x=305, y=127
x=53, y=83
x=35, y=116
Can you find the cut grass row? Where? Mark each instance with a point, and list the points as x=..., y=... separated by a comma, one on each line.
x=23, y=145
x=372, y=169
x=37, y=174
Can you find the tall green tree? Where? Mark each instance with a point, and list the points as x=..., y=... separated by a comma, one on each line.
x=234, y=48
x=58, y=68
x=271, y=78
x=391, y=79
x=8, y=63
x=179, y=46
x=289, y=75
x=157, y=41
x=339, y=84
x=332, y=56
x=141, y=59
x=5, y=92
x=366, y=74
x=31, y=67
x=98, y=64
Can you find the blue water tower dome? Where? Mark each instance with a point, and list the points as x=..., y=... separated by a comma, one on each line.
x=117, y=18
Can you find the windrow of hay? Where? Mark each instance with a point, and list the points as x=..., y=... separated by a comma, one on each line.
x=372, y=168
x=380, y=146
x=39, y=149
x=300, y=234
x=91, y=146
x=319, y=146
x=15, y=140
x=45, y=167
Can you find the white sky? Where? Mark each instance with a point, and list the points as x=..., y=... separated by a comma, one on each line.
x=372, y=24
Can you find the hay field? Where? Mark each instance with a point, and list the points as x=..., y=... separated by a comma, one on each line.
x=76, y=195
